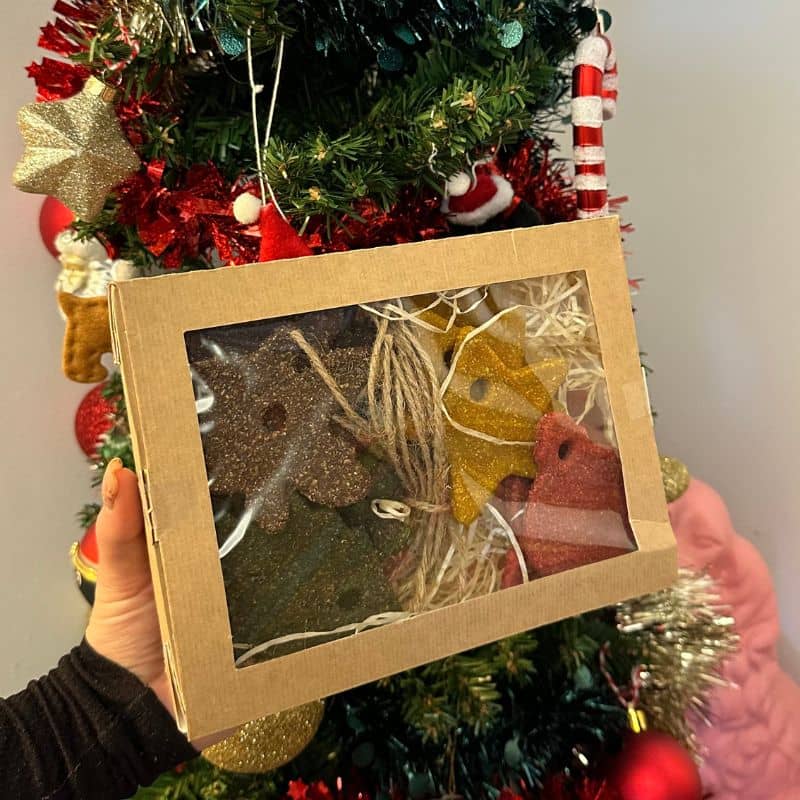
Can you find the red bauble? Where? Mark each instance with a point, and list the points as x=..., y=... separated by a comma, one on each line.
x=54, y=218
x=93, y=419
x=654, y=766
x=88, y=545
x=83, y=555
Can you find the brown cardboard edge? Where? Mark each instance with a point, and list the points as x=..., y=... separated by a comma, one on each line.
x=217, y=695
x=119, y=353
x=549, y=599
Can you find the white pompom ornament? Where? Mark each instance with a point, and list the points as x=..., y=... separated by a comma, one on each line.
x=247, y=208
x=458, y=184
x=124, y=270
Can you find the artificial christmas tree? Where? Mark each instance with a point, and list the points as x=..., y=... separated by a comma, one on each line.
x=267, y=129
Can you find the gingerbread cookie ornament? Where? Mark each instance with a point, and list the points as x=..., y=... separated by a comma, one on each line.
x=271, y=427
x=87, y=337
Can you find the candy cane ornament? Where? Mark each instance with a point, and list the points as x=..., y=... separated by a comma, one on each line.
x=594, y=99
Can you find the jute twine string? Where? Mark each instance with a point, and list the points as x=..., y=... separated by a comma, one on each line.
x=404, y=422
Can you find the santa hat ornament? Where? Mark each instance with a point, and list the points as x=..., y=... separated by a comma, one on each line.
x=279, y=239
x=483, y=200
x=472, y=199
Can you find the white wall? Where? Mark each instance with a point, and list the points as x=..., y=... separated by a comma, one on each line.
x=702, y=143
x=43, y=478
x=705, y=143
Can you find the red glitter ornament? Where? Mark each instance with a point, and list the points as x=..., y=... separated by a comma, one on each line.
x=93, y=419
x=576, y=512
x=654, y=766
x=54, y=218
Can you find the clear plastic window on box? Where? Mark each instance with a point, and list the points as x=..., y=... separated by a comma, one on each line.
x=374, y=462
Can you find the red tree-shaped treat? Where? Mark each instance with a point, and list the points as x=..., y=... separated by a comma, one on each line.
x=576, y=512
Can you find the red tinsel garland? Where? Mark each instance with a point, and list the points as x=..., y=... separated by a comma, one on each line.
x=558, y=788
x=130, y=111
x=189, y=221
x=191, y=218
x=53, y=37
x=70, y=35
x=413, y=218
x=300, y=790
x=539, y=180
x=57, y=80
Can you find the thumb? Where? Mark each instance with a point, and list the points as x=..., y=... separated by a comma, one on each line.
x=123, y=568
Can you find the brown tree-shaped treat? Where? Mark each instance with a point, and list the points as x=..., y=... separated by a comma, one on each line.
x=389, y=536
x=315, y=575
x=271, y=428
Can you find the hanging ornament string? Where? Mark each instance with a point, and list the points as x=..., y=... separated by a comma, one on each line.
x=255, y=90
x=451, y=374
x=636, y=718
x=270, y=118
x=594, y=99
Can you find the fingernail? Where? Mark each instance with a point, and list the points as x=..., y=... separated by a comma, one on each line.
x=110, y=487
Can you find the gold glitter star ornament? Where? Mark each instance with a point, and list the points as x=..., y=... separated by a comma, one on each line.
x=75, y=150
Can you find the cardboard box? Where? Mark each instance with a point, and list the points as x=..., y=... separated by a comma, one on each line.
x=166, y=331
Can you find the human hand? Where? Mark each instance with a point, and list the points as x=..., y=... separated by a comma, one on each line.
x=123, y=625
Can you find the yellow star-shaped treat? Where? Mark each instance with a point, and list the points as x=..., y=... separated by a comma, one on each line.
x=493, y=391
x=75, y=150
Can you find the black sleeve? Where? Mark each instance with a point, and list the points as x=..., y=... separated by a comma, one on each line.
x=89, y=730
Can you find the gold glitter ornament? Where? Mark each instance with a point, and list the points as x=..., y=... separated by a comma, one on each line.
x=266, y=744
x=75, y=150
x=675, y=476
x=493, y=391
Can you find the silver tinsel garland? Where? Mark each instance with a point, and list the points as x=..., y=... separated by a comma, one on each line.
x=684, y=636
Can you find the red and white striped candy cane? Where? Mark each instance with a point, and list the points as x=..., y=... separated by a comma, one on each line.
x=594, y=99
